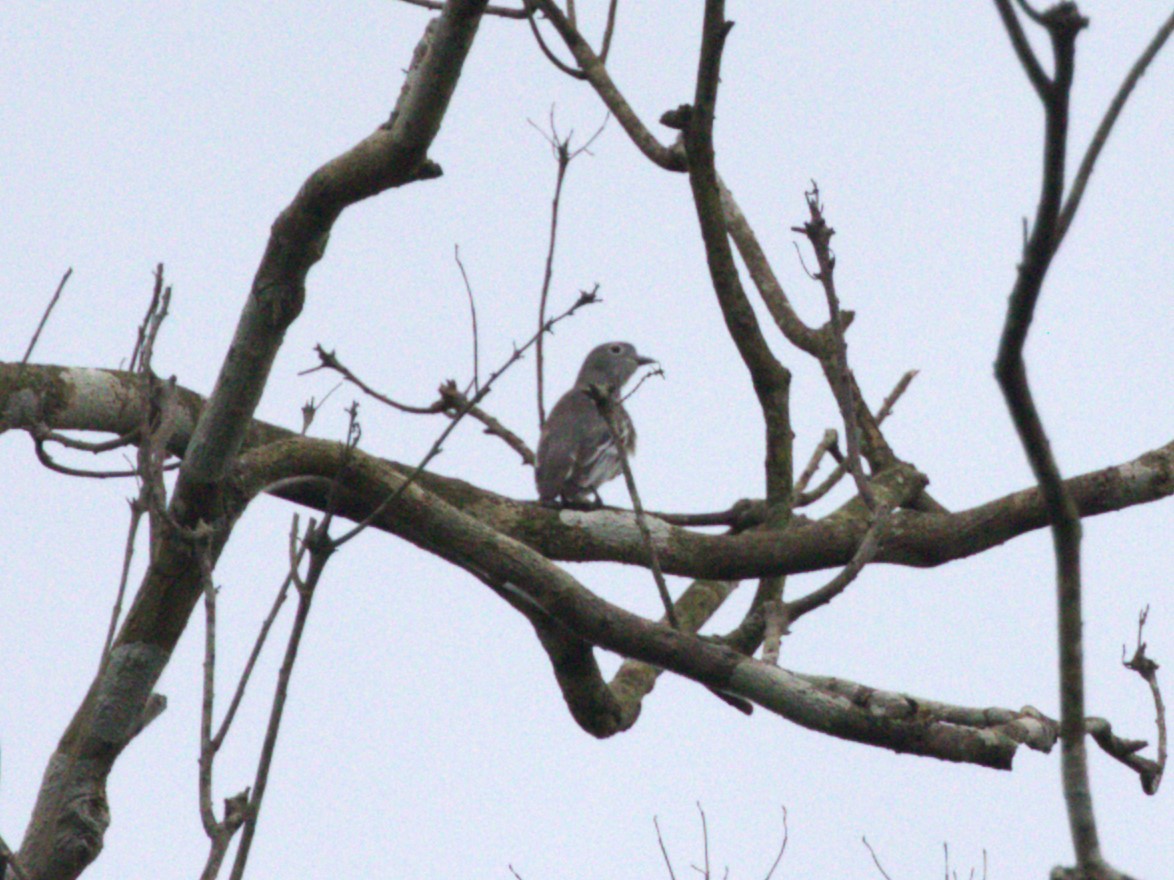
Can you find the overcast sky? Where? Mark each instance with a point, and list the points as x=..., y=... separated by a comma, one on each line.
x=425, y=735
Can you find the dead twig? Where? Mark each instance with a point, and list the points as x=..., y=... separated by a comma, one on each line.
x=1101, y=137
x=865, y=552
x=560, y=147
x=782, y=847
x=875, y=860
x=1150, y=772
x=803, y=499
x=28, y=352
x=456, y=249
x=321, y=548
x=663, y=851
x=606, y=405
x=819, y=234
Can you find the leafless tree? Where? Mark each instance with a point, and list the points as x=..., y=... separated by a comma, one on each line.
x=227, y=458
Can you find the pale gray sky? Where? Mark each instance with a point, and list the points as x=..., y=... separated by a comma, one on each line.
x=425, y=735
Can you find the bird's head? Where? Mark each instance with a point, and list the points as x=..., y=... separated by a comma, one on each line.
x=611, y=364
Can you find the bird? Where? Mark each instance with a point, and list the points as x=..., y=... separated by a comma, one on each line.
x=576, y=451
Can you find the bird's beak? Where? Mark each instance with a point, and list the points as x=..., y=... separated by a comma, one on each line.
x=644, y=361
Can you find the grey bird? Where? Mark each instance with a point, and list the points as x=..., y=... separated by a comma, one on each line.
x=576, y=452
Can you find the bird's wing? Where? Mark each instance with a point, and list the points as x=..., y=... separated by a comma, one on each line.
x=557, y=447
x=572, y=456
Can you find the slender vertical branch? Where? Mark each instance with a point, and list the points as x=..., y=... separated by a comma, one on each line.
x=604, y=402
x=473, y=315
x=562, y=157
x=835, y=363
x=560, y=148
x=608, y=31
x=1063, y=23
x=771, y=380
x=321, y=548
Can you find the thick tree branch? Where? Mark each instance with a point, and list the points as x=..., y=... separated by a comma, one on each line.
x=109, y=401
x=533, y=582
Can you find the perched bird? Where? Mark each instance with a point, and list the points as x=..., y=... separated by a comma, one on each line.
x=576, y=452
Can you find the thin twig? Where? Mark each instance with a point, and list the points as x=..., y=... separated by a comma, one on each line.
x=742, y=515
x=704, y=839
x=207, y=750
x=669, y=158
x=329, y=361
x=875, y=860
x=456, y=248
x=155, y=426
x=865, y=552
x=86, y=446
x=605, y=403
x=44, y=458
x=886, y=408
x=1031, y=66
x=28, y=352
x=297, y=550
x=608, y=30
x=145, y=325
x=663, y=851
x=782, y=847
x=451, y=401
x=819, y=233
x=1151, y=776
x=321, y=548
x=804, y=499
x=563, y=156
x=1084, y=172
x=137, y=509
x=549, y=53
x=562, y=160
x=457, y=401
x=310, y=408
x=829, y=439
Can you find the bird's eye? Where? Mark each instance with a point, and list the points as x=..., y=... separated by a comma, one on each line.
x=616, y=349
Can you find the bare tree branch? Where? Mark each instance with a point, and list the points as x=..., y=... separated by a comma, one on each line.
x=456, y=252
x=1063, y=23
x=1101, y=137
x=603, y=401
x=592, y=66
x=563, y=156
x=28, y=352
x=770, y=379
